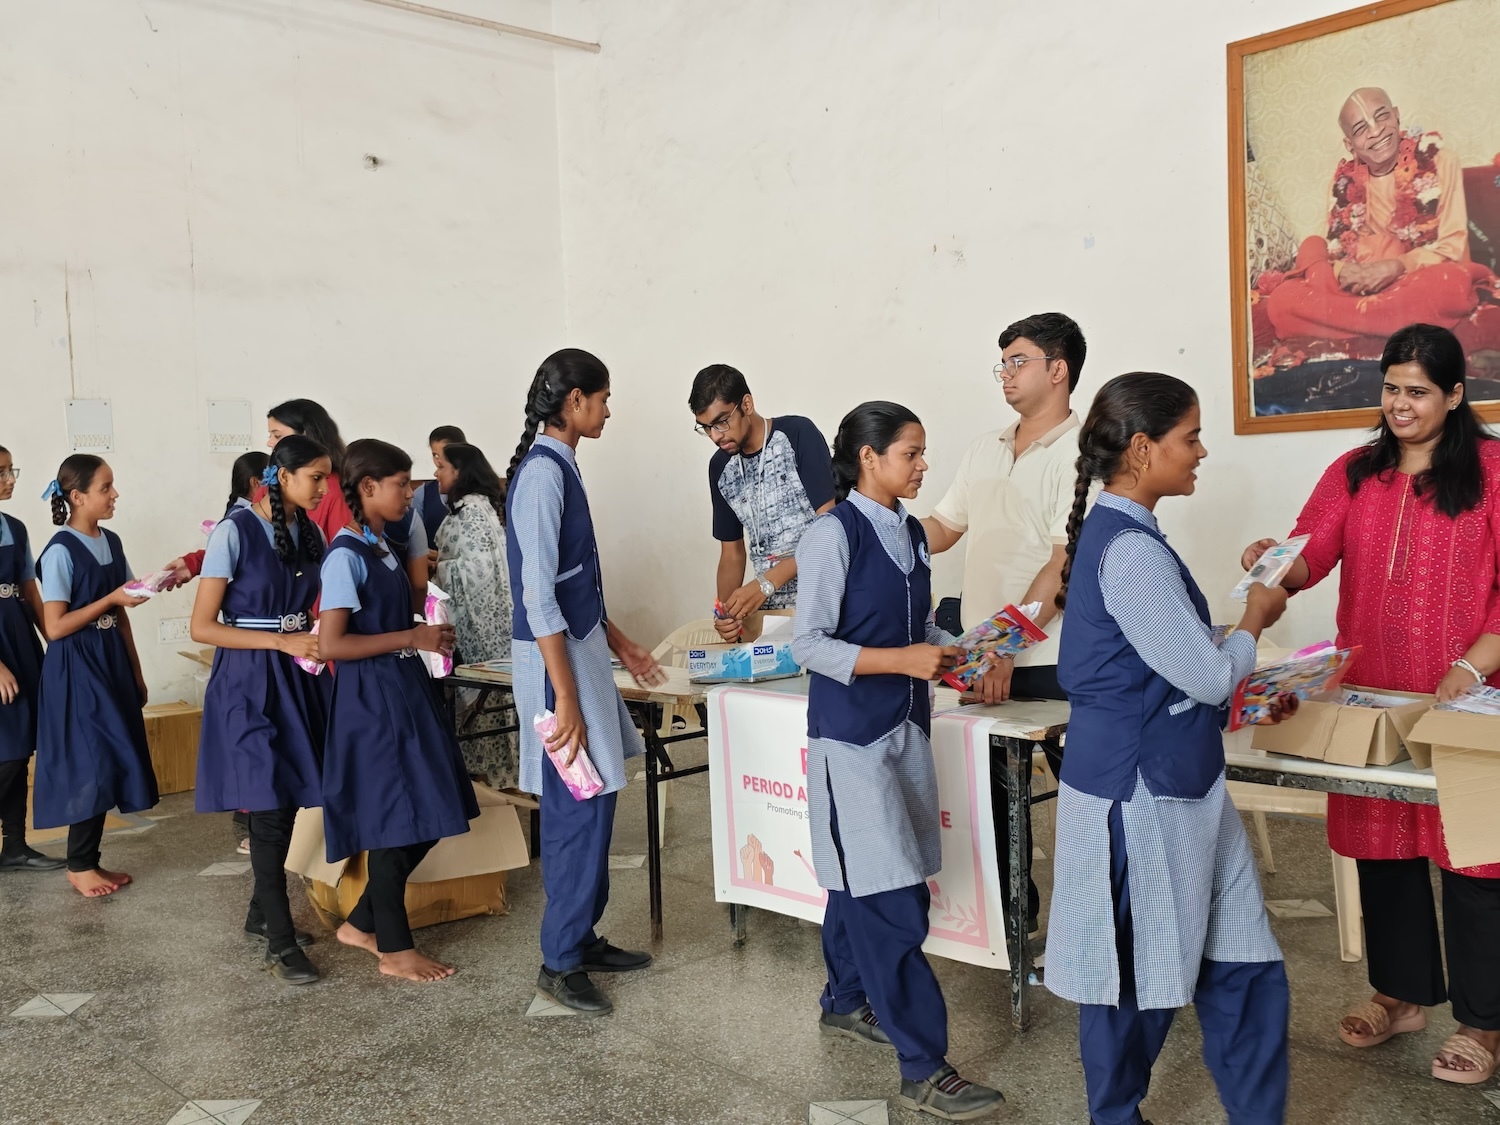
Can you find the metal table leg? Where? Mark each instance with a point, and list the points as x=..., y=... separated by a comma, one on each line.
x=1018, y=909
x=649, y=719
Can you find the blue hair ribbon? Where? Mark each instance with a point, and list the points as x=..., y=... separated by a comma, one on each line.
x=269, y=475
x=370, y=537
x=53, y=490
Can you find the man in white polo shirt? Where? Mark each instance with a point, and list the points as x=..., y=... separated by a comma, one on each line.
x=1011, y=500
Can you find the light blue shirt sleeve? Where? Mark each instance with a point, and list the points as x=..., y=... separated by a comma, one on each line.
x=1144, y=592
x=822, y=571
x=221, y=558
x=536, y=523
x=57, y=575
x=417, y=544
x=28, y=565
x=343, y=573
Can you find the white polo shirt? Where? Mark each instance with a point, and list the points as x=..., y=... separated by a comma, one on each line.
x=1012, y=511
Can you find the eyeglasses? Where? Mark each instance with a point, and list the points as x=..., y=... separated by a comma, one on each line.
x=1014, y=364
x=719, y=427
x=10, y=474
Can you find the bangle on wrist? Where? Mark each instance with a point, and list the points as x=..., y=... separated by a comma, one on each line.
x=1479, y=677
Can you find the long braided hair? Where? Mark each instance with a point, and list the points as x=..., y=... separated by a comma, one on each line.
x=1142, y=402
x=560, y=374
x=246, y=474
x=75, y=474
x=369, y=459
x=293, y=452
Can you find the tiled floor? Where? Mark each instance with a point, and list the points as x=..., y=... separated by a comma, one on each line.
x=149, y=1007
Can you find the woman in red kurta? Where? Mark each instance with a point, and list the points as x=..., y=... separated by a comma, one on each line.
x=1414, y=517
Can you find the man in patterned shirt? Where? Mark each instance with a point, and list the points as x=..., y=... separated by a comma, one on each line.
x=768, y=479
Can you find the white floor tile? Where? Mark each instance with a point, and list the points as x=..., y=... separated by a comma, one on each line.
x=235, y=1111
x=67, y=1002
x=234, y=868
x=621, y=862
x=190, y=1114
x=1493, y=1097
x=1298, y=908
x=544, y=1007
x=38, y=1008
x=877, y=1114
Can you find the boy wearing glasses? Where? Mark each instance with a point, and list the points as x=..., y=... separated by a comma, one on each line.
x=768, y=479
x=1011, y=498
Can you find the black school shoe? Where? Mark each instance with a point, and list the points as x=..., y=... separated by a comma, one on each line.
x=573, y=990
x=292, y=967
x=259, y=931
x=859, y=1024
x=29, y=859
x=950, y=1097
x=601, y=957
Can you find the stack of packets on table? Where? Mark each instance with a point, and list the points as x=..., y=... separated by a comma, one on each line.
x=1271, y=567
x=1312, y=671
x=1478, y=700
x=1005, y=633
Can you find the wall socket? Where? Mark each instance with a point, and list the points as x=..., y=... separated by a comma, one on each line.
x=174, y=630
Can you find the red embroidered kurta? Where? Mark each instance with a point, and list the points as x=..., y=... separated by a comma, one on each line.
x=1416, y=591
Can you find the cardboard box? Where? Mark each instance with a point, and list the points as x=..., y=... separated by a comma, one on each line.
x=1331, y=732
x=1466, y=760
x=764, y=653
x=462, y=877
x=172, y=734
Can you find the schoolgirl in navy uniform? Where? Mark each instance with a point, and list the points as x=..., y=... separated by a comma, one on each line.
x=865, y=632
x=562, y=638
x=1156, y=901
x=394, y=781
x=261, y=747
x=91, y=736
x=20, y=680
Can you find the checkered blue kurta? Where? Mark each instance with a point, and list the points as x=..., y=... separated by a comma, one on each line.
x=1194, y=896
x=886, y=792
x=536, y=518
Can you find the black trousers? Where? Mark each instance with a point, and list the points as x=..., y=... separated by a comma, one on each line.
x=1401, y=938
x=381, y=910
x=13, y=804
x=83, y=844
x=1037, y=682
x=270, y=840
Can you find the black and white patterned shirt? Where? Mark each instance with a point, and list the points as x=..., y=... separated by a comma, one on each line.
x=768, y=498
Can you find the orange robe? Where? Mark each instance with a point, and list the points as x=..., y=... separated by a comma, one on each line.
x=1438, y=286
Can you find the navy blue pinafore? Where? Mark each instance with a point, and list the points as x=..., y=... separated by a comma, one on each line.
x=20, y=651
x=392, y=771
x=91, y=737
x=263, y=716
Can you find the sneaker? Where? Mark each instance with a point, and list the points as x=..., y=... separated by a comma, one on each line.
x=950, y=1097
x=258, y=930
x=859, y=1024
x=573, y=990
x=291, y=967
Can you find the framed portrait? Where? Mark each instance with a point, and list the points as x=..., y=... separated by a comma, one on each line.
x=1364, y=195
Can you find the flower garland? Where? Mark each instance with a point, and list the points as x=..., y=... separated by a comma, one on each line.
x=1415, y=220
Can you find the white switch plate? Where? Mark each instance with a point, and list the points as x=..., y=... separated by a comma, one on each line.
x=173, y=630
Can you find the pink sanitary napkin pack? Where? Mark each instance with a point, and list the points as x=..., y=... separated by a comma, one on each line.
x=581, y=778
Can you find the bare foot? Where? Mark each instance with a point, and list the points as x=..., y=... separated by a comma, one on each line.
x=1489, y=1040
x=118, y=878
x=92, y=884
x=1397, y=1009
x=411, y=965
x=349, y=935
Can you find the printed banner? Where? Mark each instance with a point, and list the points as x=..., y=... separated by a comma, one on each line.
x=763, y=847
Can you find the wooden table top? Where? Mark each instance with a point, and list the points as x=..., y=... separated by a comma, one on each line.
x=677, y=689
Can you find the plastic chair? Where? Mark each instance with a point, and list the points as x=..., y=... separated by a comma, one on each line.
x=672, y=653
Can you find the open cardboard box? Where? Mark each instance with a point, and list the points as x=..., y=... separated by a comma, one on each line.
x=463, y=876
x=1466, y=759
x=1327, y=731
x=764, y=652
x=172, y=731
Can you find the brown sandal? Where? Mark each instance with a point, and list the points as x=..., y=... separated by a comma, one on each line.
x=1378, y=1018
x=1465, y=1048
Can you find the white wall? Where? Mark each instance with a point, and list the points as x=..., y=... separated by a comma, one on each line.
x=849, y=200
x=189, y=176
